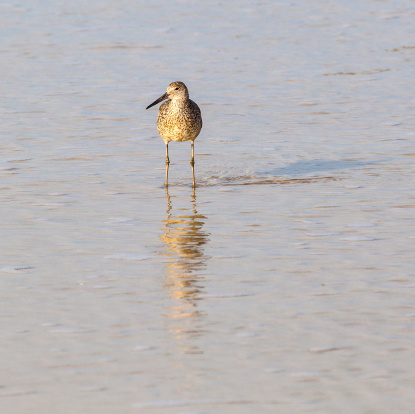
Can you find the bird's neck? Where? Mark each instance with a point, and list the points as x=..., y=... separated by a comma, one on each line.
x=178, y=102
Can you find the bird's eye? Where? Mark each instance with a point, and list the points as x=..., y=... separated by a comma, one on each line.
x=176, y=89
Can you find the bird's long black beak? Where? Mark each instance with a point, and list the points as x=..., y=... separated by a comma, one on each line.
x=162, y=98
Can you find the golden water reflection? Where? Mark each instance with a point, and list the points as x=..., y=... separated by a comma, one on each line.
x=184, y=240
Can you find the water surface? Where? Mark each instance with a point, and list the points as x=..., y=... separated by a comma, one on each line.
x=283, y=283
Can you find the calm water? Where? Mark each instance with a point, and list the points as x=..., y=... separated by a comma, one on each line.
x=285, y=283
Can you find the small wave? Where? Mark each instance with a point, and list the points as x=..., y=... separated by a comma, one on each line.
x=15, y=269
x=128, y=256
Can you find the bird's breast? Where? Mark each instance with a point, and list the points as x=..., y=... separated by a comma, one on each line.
x=179, y=122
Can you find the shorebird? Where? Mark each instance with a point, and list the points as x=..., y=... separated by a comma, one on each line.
x=179, y=120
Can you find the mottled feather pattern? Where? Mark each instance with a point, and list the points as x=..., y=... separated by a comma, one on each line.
x=179, y=121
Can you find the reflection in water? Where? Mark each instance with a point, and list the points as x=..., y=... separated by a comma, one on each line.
x=184, y=241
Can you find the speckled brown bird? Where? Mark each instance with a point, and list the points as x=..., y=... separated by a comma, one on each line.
x=179, y=120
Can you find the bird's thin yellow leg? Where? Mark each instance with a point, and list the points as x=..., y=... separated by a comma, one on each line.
x=192, y=163
x=166, y=183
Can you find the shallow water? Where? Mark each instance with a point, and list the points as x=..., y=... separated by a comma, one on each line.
x=284, y=283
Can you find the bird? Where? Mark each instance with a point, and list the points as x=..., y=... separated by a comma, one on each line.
x=179, y=120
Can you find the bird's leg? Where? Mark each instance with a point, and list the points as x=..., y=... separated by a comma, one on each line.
x=166, y=183
x=192, y=163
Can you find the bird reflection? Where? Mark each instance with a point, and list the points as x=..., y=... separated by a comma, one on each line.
x=184, y=241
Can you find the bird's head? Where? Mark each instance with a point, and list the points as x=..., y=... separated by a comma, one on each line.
x=176, y=90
